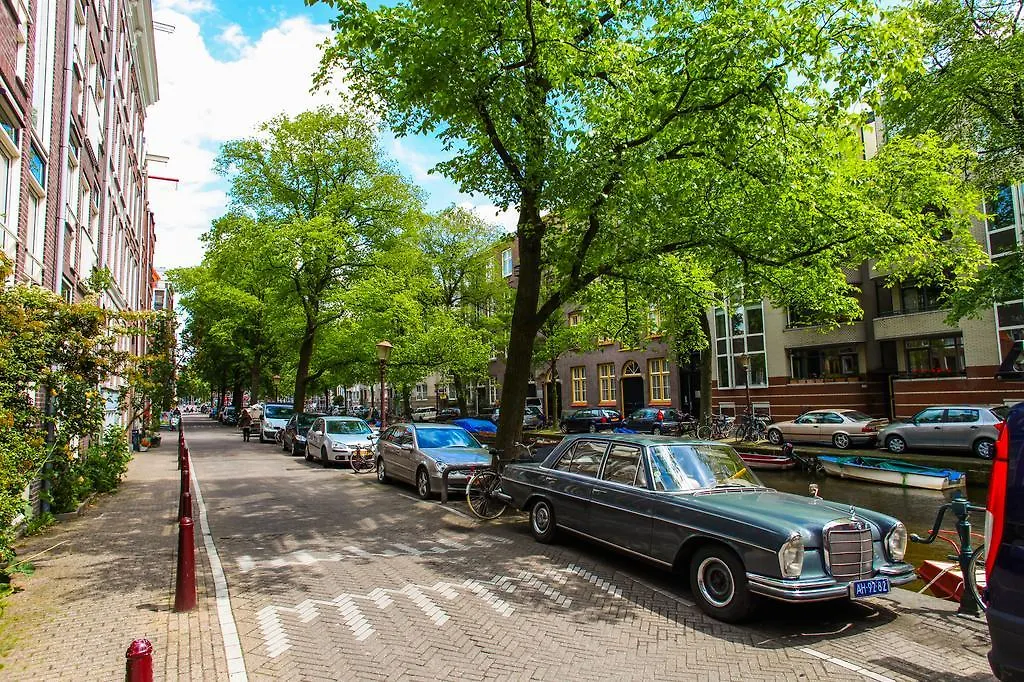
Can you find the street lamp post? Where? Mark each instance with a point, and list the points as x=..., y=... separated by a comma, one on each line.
x=383, y=353
x=277, y=379
x=745, y=364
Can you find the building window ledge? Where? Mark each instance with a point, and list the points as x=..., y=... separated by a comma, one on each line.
x=901, y=313
x=919, y=376
x=827, y=380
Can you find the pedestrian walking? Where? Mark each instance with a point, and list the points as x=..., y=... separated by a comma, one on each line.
x=245, y=422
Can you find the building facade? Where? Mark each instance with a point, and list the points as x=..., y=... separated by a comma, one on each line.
x=899, y=358
x=77, y=78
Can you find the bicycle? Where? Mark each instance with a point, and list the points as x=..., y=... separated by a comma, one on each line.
x=714, y=427
x=970, y=561
x=362, y=461
x=483, y=490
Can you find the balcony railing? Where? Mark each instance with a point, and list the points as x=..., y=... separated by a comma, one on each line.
x=926, y=309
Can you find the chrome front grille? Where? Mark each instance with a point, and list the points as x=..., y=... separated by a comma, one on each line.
x=849, y=552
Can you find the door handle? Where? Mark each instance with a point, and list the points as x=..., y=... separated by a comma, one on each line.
x=974, y=428
x=937, y=428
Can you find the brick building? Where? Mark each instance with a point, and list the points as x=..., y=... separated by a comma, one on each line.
x=77, y=78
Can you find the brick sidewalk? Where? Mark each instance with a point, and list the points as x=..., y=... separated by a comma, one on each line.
x=113, y=581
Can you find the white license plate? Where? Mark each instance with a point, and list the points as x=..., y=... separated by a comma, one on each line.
x=863, y=589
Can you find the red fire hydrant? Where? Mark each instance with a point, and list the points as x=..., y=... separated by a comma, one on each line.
x=138, y=666
x=185, y=580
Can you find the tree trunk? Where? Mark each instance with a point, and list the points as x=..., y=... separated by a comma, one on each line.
x=406, y=400
x=236, y=395
x=706, y=357
x=302, y=372
x=523, y=333
x=460, y=391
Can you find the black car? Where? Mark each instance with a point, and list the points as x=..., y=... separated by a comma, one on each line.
x=293, y=438
x=695, y=507
x=229, y=417
x=592, y=419
x=657, y=420
x=447, y=414
x=1004, y=536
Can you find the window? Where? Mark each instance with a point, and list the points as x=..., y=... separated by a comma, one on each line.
x=21, y=40
x=625, y=466
x=740, y=331
x=831, y=418
x=920, y=299
x=492, y=390
x=586, y=459
x=579, y=385
x=961, y=416
x=657, y=371
x=935, y=357
x=930, y=416
x=36, y=234
x=574, y=319
x=606, y=378
x=420, y=393
x=654, y=321
x=506, y=263
x=9, y=185
x=631, y=369
x=1002, y=222
x=825, y=363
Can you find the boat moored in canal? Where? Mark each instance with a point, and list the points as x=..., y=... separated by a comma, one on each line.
x=892, y=472
x=765, y=462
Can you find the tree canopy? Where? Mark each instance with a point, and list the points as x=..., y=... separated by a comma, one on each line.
x=623, y=132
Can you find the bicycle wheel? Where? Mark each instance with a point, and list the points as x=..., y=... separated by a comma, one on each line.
x=479, y=495
x=363, y=462
x=703, y=432
x=976, y=570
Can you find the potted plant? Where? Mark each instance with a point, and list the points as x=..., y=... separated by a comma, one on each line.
x=145, y=442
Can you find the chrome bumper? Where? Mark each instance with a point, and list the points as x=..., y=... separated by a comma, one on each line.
x=821, y=589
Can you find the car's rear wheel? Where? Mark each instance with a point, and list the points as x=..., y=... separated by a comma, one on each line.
x=563, y=428
x=841, y=440
x=896, y=444
x=775, y=436
x=592, y=428
x=719, y=584
x=542, y=521
x=656, y=431
x=423, y=484
x=985, y=448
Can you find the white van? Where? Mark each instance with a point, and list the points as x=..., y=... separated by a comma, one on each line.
x=424, y=414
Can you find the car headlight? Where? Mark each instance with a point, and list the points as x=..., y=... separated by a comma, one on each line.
x=791, y=556
x=340, y=447
x=301, y=439
x=896, y=542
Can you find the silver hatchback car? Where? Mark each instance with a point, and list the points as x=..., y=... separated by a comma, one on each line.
x=419, y=454
x=946, y=427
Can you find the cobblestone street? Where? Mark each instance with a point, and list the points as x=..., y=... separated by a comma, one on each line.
x=334, y=576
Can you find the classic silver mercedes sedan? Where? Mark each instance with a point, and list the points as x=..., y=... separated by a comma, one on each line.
x=695, y=507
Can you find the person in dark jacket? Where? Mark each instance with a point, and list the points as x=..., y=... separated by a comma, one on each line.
x=245, y=422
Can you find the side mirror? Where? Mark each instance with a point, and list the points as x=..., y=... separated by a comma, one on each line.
x=406, y=447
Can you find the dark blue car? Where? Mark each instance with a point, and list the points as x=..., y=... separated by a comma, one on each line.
x=1004, y=531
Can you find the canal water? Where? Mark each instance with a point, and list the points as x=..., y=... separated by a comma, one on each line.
x=914, y=507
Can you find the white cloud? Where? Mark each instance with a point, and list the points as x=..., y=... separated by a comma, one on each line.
x=415, y=163
x=507, y=219
x=205, y=102
x=234, y=37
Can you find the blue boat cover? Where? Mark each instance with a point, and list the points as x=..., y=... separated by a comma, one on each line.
x=476, y=425
x=623, y=429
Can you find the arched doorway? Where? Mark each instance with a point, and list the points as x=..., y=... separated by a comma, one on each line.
x=632, y=388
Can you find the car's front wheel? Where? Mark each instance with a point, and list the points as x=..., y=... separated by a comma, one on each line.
x=985, y=448
x=896, y=444
x=382, y=475
x=719, y=584
x=563, y=428
x=592, y=428
x=841, y=440
x=423, y=484
x=325, y=457
x=542, y=521
x=656, y=431
x=775, y=436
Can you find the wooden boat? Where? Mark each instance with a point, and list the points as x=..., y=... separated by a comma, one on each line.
x=892, y=472
x=945, y=579
x=773, y=462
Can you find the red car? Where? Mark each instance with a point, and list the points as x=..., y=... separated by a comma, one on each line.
x=1004, y=540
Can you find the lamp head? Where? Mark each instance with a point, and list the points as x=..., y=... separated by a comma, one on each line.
x=383, y=351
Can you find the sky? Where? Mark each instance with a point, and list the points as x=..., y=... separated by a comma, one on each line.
x=227, y=66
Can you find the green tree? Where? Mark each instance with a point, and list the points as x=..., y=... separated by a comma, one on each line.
x=621, y=131
x=322, y=200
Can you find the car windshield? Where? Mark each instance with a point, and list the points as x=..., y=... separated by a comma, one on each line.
x=277, y=412
x=698, y=467
x=854, y=415
x=349, y=426
x=307, y=419
x=532, y=409
x=445, y=438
